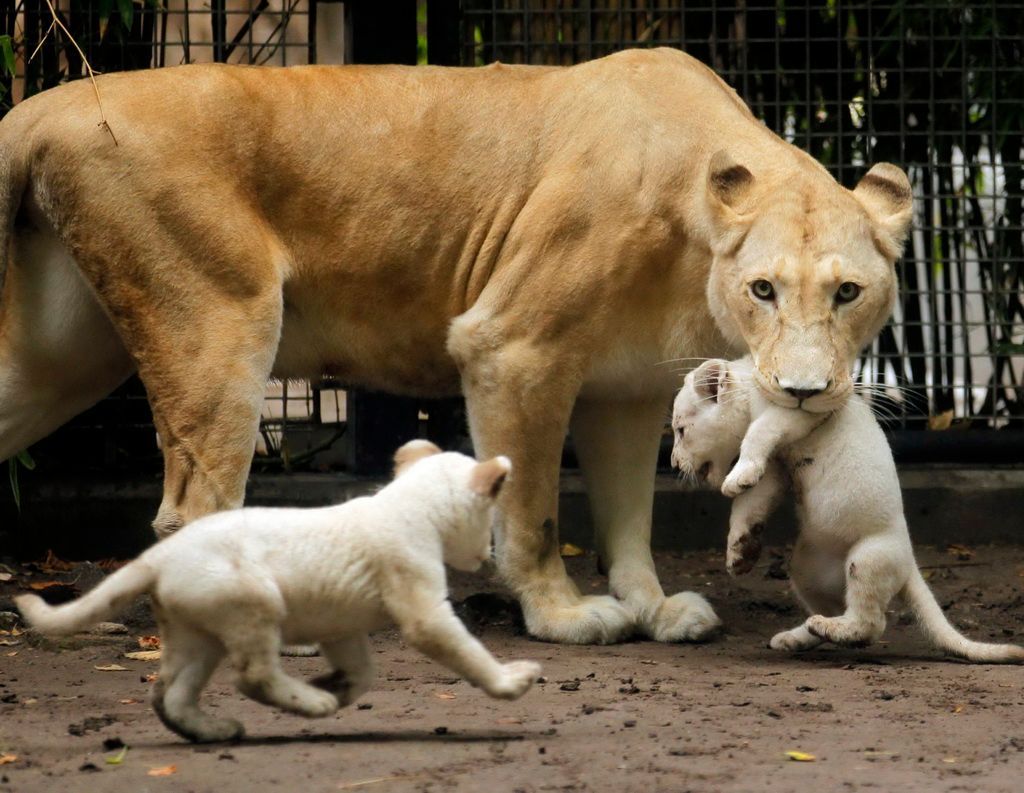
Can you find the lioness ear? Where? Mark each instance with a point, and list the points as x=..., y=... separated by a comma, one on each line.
x=729, y=183
x=710, y=379
x=412, y=451
x=487, y=477
x=885, y=193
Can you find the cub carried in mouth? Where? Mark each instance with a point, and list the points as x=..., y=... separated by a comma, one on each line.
x=240, y=583
x=853, y=554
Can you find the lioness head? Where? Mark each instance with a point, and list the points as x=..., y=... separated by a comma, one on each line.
x=802, y=271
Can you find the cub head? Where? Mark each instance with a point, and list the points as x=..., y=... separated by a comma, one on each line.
x=803, y=270
x=457, y=495
x=710, y=416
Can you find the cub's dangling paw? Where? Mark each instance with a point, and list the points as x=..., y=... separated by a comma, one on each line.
x=743, y=552
x=743, y=476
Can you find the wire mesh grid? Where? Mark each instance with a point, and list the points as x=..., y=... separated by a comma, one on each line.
x=936, y=87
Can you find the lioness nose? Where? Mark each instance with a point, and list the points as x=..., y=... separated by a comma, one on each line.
x=804, y=393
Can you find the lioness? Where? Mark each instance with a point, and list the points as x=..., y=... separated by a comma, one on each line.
x=538, y=239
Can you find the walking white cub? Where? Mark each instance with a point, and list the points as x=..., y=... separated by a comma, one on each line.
x=240, y=583
x=853, y=554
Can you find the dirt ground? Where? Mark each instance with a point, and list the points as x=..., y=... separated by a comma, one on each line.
x=632, y=717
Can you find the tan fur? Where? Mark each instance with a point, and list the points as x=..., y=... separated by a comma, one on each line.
x=542, y=240
x=413, y=451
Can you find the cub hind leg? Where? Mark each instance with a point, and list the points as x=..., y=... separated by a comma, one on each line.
x=254, y=651
x=189, y=658
x=352, y=668
x=876, y=569
x=817, y=577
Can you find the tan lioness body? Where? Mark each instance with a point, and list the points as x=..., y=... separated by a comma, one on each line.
x=539, y=239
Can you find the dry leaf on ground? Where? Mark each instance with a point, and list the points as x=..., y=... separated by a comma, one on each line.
x=165, y=770
x=149, y=642
x=118, y=758
x=444, y=695
x=568, y=549
x=144, y=655
x=39, y=585
x=6, y=576
x=8, y=758
x=941, y=421
x=111, y=668
x=960, y=552
x=800, y=757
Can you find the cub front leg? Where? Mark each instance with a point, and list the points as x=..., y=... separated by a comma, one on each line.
x=750, y=510
x=775, y=428
x=429, y=624
x=617, y=446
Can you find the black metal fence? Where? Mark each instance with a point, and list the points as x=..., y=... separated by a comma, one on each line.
x=937, y=87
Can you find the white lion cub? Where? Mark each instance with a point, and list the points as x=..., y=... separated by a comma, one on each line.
x=853, y=554
x=240, y=583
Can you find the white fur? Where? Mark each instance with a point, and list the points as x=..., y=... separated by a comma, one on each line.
x=241, y=583
x=853, y=555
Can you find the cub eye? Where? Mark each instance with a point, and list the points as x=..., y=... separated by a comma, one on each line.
x=763, y=290
x=847, y=292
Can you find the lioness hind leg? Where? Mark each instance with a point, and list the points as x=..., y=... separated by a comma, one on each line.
x=197, y=301
x=617, y=446
x=519, y=398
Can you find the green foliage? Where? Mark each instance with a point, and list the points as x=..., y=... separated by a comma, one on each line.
x=21, y=460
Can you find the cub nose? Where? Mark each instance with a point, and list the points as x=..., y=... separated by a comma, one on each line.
x=804, y=393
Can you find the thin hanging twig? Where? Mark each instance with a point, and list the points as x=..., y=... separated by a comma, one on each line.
x=92, y=76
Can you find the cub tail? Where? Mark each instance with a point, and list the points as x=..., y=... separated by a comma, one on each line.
x=112, y=595
x=934, y=623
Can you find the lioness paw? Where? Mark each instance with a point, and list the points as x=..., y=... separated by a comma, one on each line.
x=516, y=679
x=743, y=476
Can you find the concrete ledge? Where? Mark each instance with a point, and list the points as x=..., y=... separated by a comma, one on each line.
x=95, y=517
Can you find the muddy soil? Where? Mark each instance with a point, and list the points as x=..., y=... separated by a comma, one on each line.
x=632, y=717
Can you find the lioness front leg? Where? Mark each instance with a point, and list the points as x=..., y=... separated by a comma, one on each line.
x=617, y=446
x=750, y=510
x=519, y=399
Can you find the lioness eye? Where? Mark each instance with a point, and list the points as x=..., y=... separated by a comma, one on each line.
x=763, y=290
x=847, y=292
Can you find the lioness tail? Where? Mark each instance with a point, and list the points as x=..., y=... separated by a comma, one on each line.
x=112, y=595
x=934, y=623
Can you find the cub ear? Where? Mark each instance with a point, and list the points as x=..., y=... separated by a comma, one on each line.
x=885, y=193
x=710, y=379
x=412, y=451
x=487, y=477
x=729, y=184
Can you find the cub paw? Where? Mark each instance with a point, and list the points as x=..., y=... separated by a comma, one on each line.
x=743, y=476
x=318, y=704
x=843, y=631
x=218, y=730
x=792, y=641
x=516, y=679
x=743, y=552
